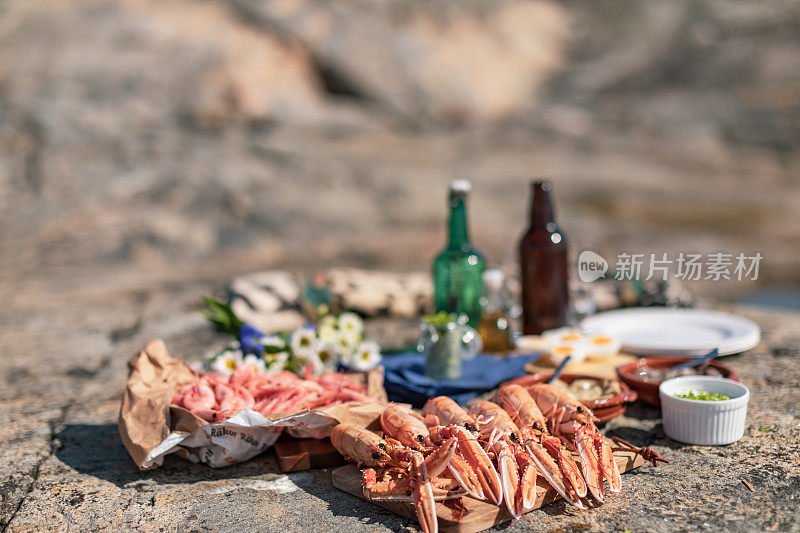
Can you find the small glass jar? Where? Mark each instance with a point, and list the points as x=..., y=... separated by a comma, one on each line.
x=446, y=346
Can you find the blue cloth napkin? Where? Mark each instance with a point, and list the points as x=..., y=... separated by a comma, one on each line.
x=405, y=379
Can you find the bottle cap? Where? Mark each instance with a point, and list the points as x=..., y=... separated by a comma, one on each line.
x=543, y=184
x=460, y=186
x=493, y=278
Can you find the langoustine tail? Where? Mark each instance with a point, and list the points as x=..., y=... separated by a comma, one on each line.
x=424, y=502
x=590, y=462
x=551, y=472
x=608, y=464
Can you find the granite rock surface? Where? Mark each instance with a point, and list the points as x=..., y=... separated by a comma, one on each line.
x=65, y=467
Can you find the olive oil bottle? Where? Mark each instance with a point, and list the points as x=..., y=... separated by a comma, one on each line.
x=495, y=324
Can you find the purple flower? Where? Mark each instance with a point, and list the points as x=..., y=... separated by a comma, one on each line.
x=250, y=339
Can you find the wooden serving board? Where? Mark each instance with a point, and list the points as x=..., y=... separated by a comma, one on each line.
x=607, y=368
x=304, y=454
x=476, y=515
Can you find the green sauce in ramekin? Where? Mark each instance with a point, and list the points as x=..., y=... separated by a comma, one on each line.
x=703, y=396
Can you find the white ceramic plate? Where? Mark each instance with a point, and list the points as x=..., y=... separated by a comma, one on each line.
x=680, y=332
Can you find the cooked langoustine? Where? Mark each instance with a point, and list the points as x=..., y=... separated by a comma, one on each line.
x=396, y=472
x=471, y=460
x=407, y=427
x=443, y=410
x=570, y=419
x=554, y=462
x=517, y=468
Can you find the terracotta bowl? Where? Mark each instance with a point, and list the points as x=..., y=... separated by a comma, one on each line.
x=648, y=390
x=604, y=409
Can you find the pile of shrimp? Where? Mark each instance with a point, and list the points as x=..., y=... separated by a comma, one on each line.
x=214, y=398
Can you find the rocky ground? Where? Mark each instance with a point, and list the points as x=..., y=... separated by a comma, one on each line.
x=297, y=134
x=65, y=467
x=149, y=151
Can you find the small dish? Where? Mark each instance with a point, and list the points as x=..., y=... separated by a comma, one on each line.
x=648, y=390
x=604, y=409
x=558, y=353
x=704, y=422
x=562, y=336
x=531, y=343
x=600, y=347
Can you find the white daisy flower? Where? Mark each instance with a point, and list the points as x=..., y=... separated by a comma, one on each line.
x=351, y=322
x=355, y=337
x=326, y=354
x=226, y=362
x=367, y=355
x=327, y=320
x=272, y=341
x=346, y=342
x=256, y=361
x=327, y=333
x=302, y=342
x=275, y=362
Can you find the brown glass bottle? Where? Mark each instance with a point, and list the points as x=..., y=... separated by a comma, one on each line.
x=543, y=266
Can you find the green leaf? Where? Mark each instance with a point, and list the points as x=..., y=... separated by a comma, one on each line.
x=438, y=320
x=292, y=365
x=274, y=349
x=220, y=314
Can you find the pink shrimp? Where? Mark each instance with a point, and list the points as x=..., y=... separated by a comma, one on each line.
x=198, y=396
x=213, y=397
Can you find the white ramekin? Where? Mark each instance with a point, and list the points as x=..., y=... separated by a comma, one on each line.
x=704, y=422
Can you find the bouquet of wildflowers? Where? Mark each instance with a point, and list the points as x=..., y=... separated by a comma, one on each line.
x=331, y=343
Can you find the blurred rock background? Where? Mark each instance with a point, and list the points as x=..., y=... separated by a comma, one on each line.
x=150, y=150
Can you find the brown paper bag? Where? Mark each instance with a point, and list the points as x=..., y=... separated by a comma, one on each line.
x=150, y=428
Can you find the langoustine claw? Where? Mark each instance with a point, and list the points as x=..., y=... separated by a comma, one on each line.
x=572, y=420
x=472, y=466
x=515, y=466
x=555, y=463
x=392, y=469
x=408, y=428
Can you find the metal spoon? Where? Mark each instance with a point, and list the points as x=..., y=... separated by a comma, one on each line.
x=559, y=370
x=696, y=361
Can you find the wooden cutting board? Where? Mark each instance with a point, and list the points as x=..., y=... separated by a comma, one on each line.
x=475, y=515
x=304, y=454
x=607, y=368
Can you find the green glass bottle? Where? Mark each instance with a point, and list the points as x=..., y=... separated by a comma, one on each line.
x=458, y=269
